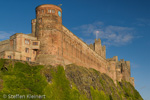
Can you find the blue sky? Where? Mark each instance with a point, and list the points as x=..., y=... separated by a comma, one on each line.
x=123, y=26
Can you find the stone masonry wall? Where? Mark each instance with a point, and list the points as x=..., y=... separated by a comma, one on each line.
x=78, y=52
x=48, y=31
x=4, y=45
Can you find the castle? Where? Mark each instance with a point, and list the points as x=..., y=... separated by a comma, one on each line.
x=52, y=43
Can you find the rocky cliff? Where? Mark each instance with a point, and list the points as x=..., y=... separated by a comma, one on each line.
x=21, y=80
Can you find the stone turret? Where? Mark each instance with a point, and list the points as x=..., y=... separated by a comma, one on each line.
x=33, y=27
x=123, y=71
x=101, y=50
x=49, y=32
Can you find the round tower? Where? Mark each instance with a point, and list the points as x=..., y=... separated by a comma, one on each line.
x=48, y=17
x=49, y=33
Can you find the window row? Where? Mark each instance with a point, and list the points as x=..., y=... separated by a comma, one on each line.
x=28, y=42
x=27, y=58
x=48, y=11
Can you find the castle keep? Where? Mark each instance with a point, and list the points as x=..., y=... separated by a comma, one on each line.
x=52, y=43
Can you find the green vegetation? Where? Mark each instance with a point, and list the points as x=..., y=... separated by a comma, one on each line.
x=130, y=92
x=55, y=83
x=22, y=79
x=60, y=88
x=98, y=95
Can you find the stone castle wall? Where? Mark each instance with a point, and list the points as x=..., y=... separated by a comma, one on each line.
x=4, y=45
x=78, y=52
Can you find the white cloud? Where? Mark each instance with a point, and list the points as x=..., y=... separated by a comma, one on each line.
x=88, y=28
x=116, y=35
x=5, y=35
x=113, y=35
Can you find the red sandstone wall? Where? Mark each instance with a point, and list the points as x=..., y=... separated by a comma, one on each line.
x=48, y=31
x=78, y=52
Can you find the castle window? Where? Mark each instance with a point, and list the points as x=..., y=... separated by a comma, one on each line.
x=53, y=11
x=27, y=41
x=42, y=11
x=35, y=43
x=28, y=58
x=27, y=50
x=9, y=57
x=49, y=10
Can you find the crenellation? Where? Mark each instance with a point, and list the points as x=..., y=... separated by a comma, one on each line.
x=121, y=60
x=52, y=43
x=115, y=58
x=91, y=46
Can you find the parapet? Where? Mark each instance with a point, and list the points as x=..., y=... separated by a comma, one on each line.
x=122, y=60
x=4, y=42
